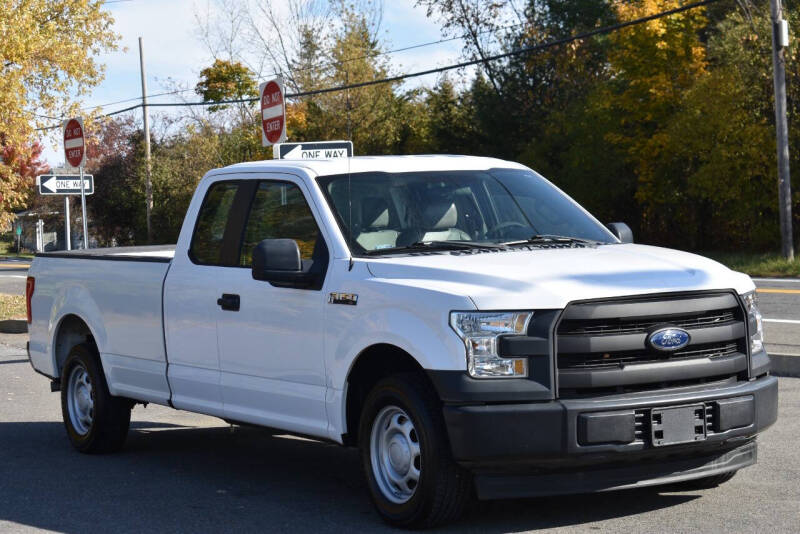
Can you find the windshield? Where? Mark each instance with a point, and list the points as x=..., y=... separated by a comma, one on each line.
x=384, y=212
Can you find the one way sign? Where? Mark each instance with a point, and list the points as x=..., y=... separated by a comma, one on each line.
x=70, y=184
x=317, y=150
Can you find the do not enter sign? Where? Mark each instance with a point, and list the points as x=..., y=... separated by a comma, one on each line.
x=273, y=112
x=74, y=145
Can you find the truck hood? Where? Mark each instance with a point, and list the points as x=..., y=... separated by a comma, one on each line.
x=551, y=278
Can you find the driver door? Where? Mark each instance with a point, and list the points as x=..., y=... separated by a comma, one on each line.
x=271, y=347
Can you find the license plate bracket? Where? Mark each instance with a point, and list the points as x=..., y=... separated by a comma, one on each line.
x=678, y=424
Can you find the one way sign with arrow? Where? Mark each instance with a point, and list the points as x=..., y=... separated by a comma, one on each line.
x=317, y=150
x=70, y=184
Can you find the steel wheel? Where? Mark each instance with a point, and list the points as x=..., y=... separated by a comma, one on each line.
x=80, y=400
x=395, y=454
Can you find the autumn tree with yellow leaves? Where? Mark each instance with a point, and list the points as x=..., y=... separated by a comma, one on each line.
x=48, y=60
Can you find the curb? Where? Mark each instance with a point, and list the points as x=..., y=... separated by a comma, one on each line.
x=785, y=365
x=14, y=326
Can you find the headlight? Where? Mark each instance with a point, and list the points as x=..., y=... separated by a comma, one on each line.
x=480, y=332
x=755, y=324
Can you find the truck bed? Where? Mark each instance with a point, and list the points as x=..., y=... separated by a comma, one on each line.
x=119, y=300
x=153, y=253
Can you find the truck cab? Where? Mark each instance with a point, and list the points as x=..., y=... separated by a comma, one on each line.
x=461, y=320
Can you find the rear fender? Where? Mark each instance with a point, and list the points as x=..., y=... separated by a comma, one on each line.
x=75, y=300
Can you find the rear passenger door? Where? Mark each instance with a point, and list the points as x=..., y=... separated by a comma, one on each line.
x=271, y=347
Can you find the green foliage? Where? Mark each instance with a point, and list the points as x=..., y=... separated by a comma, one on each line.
x=667, y=125
x=226, y=80
x=770, y=264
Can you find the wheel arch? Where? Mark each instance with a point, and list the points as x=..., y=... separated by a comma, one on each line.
x=372, y=364
x=71, y=330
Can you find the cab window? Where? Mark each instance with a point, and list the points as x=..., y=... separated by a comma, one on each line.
x=209, y=233
x=279, y=210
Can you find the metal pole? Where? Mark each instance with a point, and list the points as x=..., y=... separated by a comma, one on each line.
x=782, y=130
x=83, y=210
x=67, y=241
x=148, y=186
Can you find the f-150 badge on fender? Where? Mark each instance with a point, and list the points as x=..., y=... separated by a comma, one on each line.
x=350, y=299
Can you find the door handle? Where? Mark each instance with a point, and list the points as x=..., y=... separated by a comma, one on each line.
x=228, y=302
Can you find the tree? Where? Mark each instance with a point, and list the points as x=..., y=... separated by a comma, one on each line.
x=375, y=118
x=41, y=72
x=23, y=166
x=227, y=80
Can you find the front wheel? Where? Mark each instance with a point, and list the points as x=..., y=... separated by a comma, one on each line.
x=96, y=422
x=412, y=477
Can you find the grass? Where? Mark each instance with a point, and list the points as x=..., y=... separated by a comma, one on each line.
x=12, y=307
x=7, y=250
x=767, y=264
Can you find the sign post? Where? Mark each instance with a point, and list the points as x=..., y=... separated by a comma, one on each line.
x=315, y=150
x=75, y=152
x=67, y=240
x=273, y=112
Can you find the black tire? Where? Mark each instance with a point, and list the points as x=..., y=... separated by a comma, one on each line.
x=110, y=416
x=706, y=482
x=444, y=487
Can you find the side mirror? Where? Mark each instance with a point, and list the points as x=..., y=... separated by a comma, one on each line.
x=622, y=231
x=277, y=261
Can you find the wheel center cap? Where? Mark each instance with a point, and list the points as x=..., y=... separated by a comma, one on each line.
x=399, y=455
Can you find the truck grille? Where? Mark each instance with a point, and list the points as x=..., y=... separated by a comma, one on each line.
x=594, y=360
x=622, y=326
x=602, y=345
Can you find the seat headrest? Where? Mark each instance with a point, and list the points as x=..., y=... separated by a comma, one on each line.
x=374, y=212
x=440, y=216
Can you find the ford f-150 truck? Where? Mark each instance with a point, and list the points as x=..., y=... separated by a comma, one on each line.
x=461, y=320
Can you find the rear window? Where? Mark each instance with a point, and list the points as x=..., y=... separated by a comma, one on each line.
x=207, y=242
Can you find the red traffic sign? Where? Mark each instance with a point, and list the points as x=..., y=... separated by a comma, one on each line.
x=273, y=112
x=74, y=144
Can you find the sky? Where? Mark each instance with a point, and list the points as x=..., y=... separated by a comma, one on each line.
x=174, y=54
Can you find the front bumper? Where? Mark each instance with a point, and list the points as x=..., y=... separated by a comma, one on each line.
x=521, y=449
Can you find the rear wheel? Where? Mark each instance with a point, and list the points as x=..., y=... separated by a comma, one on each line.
x=96, y=422
x=412, y=477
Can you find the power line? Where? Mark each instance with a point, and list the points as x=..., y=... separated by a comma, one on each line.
x=313, y=67
x=463, y=64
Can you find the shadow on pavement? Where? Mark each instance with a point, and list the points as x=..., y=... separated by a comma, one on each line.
x=178, y=479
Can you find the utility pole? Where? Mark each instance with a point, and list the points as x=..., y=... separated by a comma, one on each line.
x=148, y=185
x=780, y=39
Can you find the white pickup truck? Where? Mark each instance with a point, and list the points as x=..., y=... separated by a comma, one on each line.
x=461, y=320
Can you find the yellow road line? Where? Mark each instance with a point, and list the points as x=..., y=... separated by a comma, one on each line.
x=775, y=290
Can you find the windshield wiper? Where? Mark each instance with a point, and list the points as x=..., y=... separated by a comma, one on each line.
x=551, y=238
x=439, y=245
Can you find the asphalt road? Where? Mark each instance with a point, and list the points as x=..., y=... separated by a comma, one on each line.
x=12, y=276
x=185, y=473
x=779, y=302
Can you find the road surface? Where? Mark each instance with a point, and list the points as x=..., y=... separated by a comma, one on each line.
x=181, y=472
x=12, y=276
x=779, y=302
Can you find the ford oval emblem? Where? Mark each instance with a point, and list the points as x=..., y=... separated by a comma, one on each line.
x=669, y=339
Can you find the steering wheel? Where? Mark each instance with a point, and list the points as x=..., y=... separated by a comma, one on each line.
x=497, y=230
